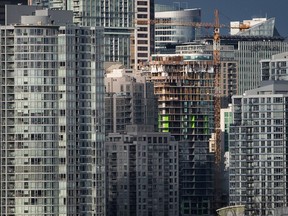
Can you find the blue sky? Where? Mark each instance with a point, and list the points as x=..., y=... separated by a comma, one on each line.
x=233, y=10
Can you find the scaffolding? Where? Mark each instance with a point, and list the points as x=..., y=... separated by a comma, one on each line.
x=185, y=91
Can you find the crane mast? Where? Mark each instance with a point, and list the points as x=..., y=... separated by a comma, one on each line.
x=217, y=93
x=217, y=108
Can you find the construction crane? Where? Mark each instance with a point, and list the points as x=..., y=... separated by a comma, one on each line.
x=171, y=22
x=217, y=90
x=217, y=108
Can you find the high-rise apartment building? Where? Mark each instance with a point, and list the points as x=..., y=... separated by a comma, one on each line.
x=129, y=37
x=142, y=173
x=258, y=149
x=184, y=85
x=275, y=68
x=52, y=131
x=129, y=99
x=116, y=17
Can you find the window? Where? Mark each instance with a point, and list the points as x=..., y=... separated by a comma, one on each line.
x=142, y=29
x=142, y=35
x=62, y=112
x=62, y=160
x=62, y=128
x=142, y=9
x=278, y=100
x=142, y=48
x=141, y=2
x=142, y=55
x=142, y=42
x=142, y=16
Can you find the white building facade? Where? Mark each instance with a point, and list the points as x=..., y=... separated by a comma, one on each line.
x=258, y=149
x=275, y=68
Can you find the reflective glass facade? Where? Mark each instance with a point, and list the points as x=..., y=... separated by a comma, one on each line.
x=166, y=35
x=117, y=18
x=52, y=127
x=248, y=55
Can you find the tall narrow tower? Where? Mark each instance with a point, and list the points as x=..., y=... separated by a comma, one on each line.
x=52, y=133
x=143, y=39
x=258, y=149
x=184, y=86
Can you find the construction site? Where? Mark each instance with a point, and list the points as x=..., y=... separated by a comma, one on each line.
x=184, y=85
x=191, y=88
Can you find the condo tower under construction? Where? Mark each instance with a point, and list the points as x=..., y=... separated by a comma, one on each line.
x=184, y=84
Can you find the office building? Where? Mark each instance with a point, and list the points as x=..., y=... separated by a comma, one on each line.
x=167, y=36
x=275, y=68
x=248, y=54
x=142, y=45
x=255, y=27
x=8, y=2
x=116, y=17
x=184, y=85
x=52, y=132
x=142, y=173
x=202, y=46
x=166, y=7
x=129, y=99
x=258, y=149
x=260, y=41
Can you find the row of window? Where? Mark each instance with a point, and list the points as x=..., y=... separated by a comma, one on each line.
x=263, y=100
x=35, y=31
